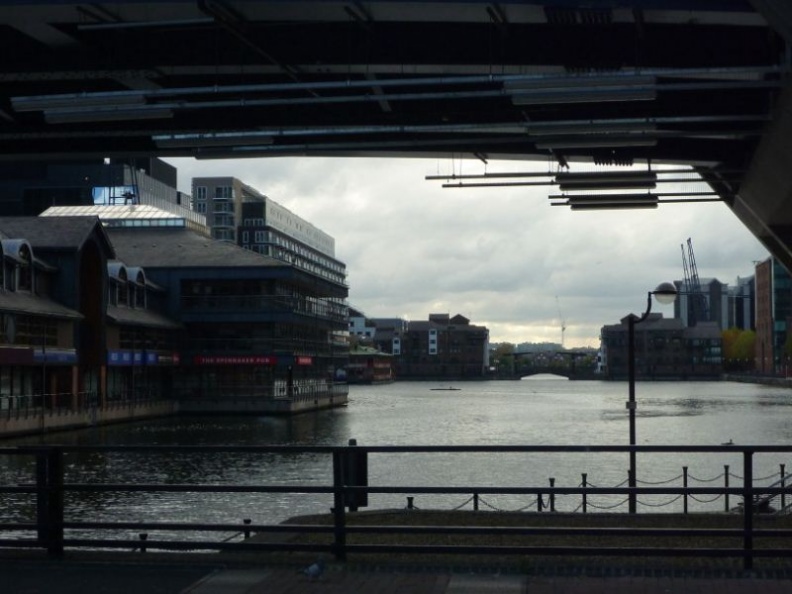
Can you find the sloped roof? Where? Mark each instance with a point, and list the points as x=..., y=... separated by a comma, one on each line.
x=22, y=302
x=139, y=317
x=54, y=233
x=182, y=248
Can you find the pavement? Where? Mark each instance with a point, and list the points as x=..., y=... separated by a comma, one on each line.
x=42, y=576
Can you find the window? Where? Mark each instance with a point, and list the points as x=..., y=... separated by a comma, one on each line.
x=123, y=293
x=200, y=193
x=245, y=237
x=200, y=207
x=224, y=234
x=224, y=193
x=259, y=237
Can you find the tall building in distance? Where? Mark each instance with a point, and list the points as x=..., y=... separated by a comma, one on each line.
x=240, y=214
x=709, y=302
x=773, y=313
x=742, y=304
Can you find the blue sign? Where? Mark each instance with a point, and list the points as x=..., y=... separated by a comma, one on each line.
x=55, y=356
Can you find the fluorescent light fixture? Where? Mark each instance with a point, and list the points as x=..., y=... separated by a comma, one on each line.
x=619, y=206
x=617, y=180
x=69, y=116
x=212, y=139
x=76, y=100
x=603, y=199
x=598, y=176
x=553, y=129
x=594, y=141
x=583, y=89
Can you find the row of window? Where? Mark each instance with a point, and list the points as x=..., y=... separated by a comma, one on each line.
x=220, y=193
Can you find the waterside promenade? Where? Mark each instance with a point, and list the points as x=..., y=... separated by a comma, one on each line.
x=208, y=576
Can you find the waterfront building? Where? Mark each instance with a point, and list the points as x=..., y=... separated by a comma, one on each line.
x=389, y=335
x=258, y=334
x=664, y=349
x=773, y=312
x=441, y=347
x=368, y=365
x=110, y=343
x=238, y=213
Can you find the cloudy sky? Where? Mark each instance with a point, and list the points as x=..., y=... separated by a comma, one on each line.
x=502, y=257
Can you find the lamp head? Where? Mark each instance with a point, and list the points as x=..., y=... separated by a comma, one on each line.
x=665, y=293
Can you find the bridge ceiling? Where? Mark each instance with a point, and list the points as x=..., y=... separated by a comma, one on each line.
x=699, y=82
x=691, y=81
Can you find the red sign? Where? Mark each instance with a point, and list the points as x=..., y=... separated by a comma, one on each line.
x=303, y=360
x=234, y=360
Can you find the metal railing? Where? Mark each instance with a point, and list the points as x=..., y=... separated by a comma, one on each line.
x=349, y=489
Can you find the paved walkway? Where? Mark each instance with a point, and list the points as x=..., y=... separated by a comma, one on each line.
x=24, y=576
x=290, y=582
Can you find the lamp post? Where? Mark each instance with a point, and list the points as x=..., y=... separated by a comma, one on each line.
x=665, y=293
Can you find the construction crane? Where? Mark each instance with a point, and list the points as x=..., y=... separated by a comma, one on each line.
x=563, y=321
x=699, y=310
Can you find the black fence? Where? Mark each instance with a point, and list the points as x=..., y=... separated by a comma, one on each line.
x=350, y=490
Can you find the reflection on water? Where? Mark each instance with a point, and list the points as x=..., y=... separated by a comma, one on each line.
x=482, y=413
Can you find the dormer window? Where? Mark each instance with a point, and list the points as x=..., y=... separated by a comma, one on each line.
x=25, y=269
x=123, y=288
x=140, y=291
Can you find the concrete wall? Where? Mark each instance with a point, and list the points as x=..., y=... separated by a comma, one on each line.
x=31, y=421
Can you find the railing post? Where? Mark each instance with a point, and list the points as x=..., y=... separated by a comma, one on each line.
x=552, y=494
x=783, y=485
x=49, y=502
x=339, y=515
x=246, y=531
x=748, y=510
x=685, y=486
x=726, y=485
x=585, y=498
x=42, y=518
x=475, y=502
x=632, y=498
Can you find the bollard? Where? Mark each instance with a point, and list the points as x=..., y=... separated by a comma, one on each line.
x=355, y=469
x=539, y=502
x=475, y=502
x=410, y=503
x=246, y=531
x=783, y=486
x=552, y=494
x=143, y=536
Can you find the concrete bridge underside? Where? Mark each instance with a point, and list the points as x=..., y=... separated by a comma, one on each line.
x=700, y=83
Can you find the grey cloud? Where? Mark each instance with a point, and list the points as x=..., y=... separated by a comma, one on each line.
x=502, y=256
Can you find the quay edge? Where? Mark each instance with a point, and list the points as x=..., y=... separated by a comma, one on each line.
x=26, y=422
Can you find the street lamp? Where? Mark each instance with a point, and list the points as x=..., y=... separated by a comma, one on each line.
x=665, y=293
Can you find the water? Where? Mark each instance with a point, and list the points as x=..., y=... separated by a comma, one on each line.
x=528, y=412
